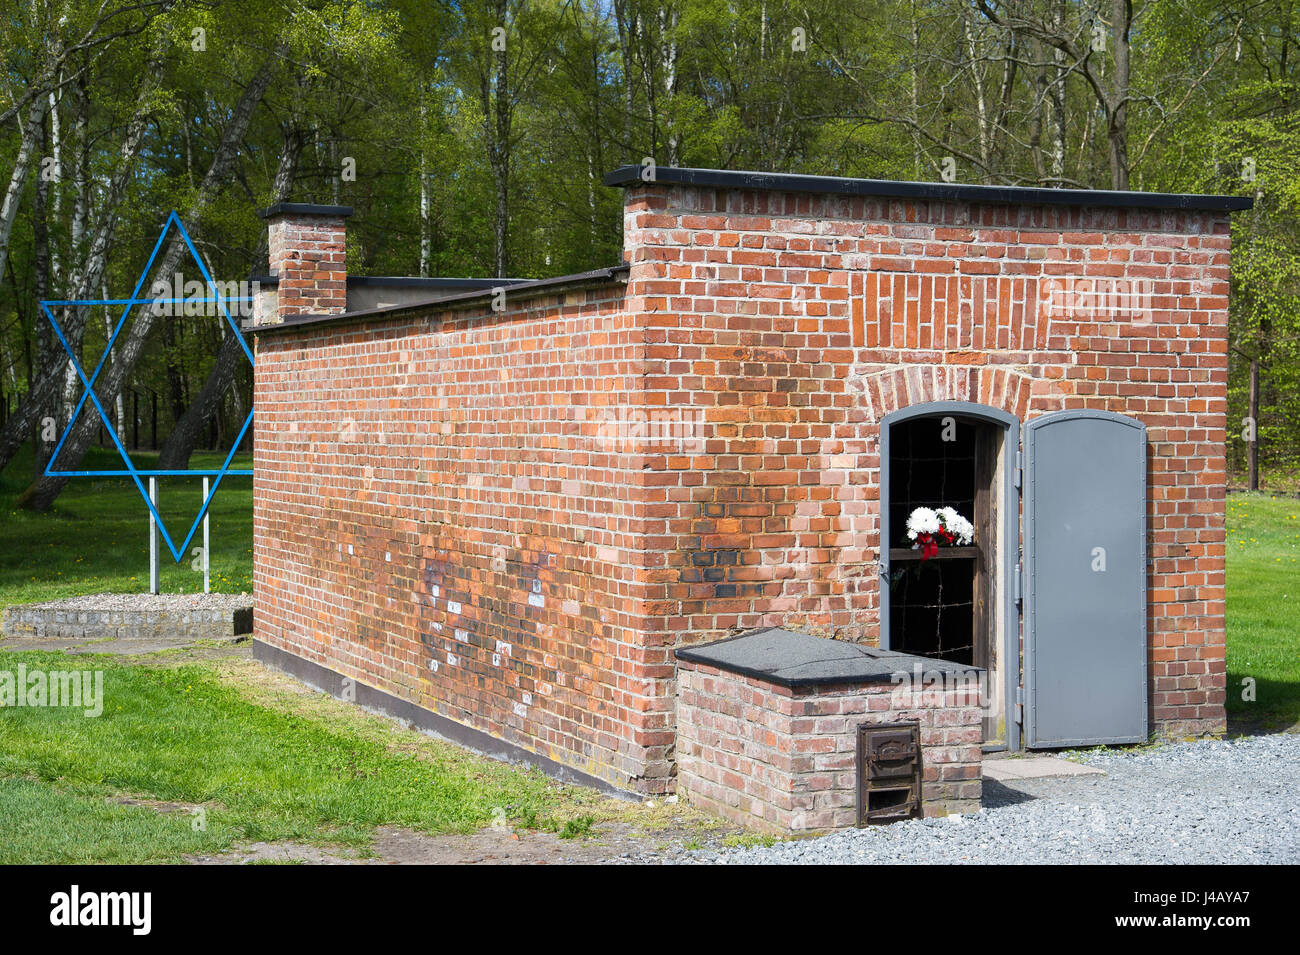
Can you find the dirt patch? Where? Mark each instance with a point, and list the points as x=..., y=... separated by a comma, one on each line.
x=157, y=805
x=151, y=651
x=612, y=844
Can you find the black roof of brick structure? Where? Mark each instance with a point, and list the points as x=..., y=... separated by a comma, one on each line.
x=306, y=209
x=475, y=295
x=890, y=189
x=793, y=659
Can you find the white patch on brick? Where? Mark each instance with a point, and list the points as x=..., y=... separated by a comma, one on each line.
x=453, y=606
x=536, y=600
x=520, y=710
x=433, y=665
x=503, y=647
x=461, y=635
x=451, y=660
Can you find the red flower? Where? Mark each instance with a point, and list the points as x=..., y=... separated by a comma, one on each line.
x=929, y=546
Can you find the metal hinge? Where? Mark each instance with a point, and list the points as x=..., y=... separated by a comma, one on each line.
x=1019, y=585
x=1020, y=705
x=1020, y=470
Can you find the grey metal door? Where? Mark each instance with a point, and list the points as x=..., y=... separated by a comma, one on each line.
x=1085, y=590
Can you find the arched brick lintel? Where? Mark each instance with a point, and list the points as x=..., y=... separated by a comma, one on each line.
x=894, y=389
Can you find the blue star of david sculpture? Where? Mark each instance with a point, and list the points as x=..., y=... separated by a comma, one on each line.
x=88, y=383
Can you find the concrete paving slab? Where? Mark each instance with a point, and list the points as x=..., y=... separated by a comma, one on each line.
x=1002, y=768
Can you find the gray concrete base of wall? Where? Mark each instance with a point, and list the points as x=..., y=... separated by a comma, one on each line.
x=133, y=617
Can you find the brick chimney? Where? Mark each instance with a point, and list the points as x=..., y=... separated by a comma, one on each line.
x=307, y=250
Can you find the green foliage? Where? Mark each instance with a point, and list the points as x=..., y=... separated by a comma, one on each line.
x=453, y=144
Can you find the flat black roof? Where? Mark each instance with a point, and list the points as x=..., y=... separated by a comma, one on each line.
x=407, y=281
x=306, y=209
x=888, y=188
x=791, y=658
x=477, y=295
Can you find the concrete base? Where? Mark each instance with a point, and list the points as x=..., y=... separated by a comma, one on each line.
x=147, y=618
x=1006, y=768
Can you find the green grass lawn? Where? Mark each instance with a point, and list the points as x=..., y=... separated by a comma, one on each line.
x=1264, y=608
x=41, y=823
x=263, y=758
x=96, y=536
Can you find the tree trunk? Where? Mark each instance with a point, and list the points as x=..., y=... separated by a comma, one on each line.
x=627, y=23
x=47, y=349
x=1121, y=17
x=497, y=115
x=914, y=91
x=668, y=62
x=44, y=389
x=119, y=405
x=1036, y=113
x=1058, y=99
x=43, y=493
x=426, y=237
x=1253, y=447
x=189, y=426
x=977, y=81
x=18, y=179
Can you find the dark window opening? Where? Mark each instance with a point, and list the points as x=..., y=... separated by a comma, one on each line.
x=931, y=612
x=940, y=607
x=927, y=471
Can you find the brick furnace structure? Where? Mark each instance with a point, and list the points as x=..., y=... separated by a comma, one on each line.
x=500, y=507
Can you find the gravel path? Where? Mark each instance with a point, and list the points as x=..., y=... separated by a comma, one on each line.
x=145, y=602
x=1202, y=802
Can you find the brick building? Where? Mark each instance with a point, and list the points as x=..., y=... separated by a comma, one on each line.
x=499, y=507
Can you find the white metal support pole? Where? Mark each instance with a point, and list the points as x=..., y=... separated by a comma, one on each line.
x=153, y=536
x=205, y=538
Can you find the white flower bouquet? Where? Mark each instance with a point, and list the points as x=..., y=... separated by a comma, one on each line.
x=928, y=529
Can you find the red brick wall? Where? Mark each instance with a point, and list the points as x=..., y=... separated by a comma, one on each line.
x=307, y=254
x=445, y=509
x=785, y=759
x=545, y=501
x=797, y=321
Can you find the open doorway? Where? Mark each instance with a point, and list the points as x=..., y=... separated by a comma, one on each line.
x=956, y=605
